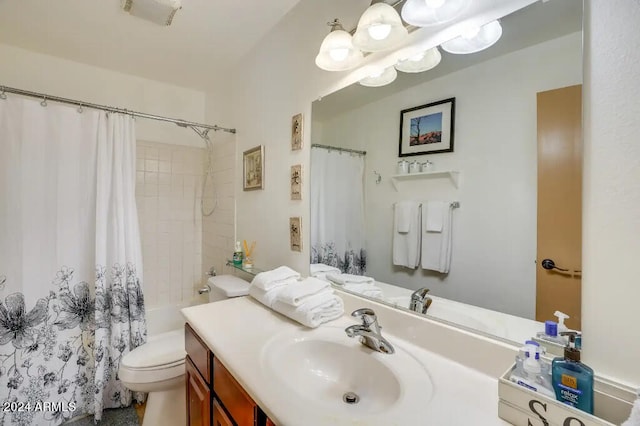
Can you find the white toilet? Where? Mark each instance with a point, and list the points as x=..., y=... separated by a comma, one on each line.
x=157, y=367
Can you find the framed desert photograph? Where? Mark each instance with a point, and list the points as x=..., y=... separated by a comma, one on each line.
x=253, y=168
x=427, y=129
x=296, y=182
x=296, y=132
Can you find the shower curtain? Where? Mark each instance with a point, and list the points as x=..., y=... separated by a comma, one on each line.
x=71, y=303
x=337, y=210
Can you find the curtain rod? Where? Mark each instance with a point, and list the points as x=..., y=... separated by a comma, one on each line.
x=335, y=148
x=45, y=97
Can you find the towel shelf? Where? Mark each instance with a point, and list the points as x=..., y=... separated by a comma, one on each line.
x=451, y=174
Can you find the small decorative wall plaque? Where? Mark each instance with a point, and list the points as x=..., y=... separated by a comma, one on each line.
x=295, y=233
x=253, y=168
x=296, y=182
x=296, y=132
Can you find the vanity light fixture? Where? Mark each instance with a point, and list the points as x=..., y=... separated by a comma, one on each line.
x=474, y=39
x=423, y=13
x=420, y=62
x=337, y=52
x=380, y=78
x=379, y=28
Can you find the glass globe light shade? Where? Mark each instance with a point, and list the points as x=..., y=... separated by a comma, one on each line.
x=337, y=52
x=423, y=13
x=380, y=78
x=421, y=62
x=379, y=28
x=467, y=43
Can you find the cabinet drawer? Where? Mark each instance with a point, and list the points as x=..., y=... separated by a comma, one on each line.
x=198, y=352
x=237, y=402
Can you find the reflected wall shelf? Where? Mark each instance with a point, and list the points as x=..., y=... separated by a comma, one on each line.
x=252, y=271
x=451, y=174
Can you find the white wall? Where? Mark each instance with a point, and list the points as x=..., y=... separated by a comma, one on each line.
x=611, y=222
x=37, y=72
x=494, y=238
x=279, y=79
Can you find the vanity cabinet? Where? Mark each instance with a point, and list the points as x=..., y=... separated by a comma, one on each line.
x=214, y=397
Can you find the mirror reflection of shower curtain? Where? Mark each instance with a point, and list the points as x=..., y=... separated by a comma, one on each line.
x=337, y=210
x=71, y=304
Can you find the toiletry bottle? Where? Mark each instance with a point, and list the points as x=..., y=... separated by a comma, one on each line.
x=530, y=374
x=237, y=254
x=573, y=380
x=550, y=334
x=561, y=327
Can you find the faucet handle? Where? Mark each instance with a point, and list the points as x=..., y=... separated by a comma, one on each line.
x=368, y=316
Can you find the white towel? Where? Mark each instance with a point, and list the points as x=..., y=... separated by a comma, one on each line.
x=265, y=297
x=437, y=246
x=406, y=246
x=320, y=270
x=365, y=289
x=634, y=418
x=435, y=213
x=402, y=217
x=274, y=278
x=311, y=313
x=299, y=292
x=342, y=279
x=315, y=268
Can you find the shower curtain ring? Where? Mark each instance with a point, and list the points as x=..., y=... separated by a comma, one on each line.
x=3, y=95
x=44, y=101
x=80, y=109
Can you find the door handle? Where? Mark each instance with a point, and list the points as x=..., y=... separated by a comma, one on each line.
x=549, y=264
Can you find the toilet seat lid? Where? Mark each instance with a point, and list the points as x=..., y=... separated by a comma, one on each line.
x=230, y=285
x=162, y=350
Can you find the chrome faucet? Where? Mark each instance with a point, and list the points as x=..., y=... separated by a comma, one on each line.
x=420, y=302
x=369, y=331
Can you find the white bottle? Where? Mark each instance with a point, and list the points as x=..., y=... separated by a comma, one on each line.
x=532, y=368
x=561, y=326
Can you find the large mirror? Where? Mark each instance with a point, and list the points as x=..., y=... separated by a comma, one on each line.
x=498, y=242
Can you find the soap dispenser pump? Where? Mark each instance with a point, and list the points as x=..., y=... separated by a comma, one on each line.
x=561, y=325
x=573, y=380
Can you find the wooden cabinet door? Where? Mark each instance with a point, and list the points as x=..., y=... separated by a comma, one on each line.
x=198, y=397
x=560, y=204
x=220, y=418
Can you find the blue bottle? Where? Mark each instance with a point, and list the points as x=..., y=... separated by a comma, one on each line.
x=572, y=380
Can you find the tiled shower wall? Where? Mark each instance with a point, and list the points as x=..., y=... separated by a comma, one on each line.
x=219, y=227
x=168, y=199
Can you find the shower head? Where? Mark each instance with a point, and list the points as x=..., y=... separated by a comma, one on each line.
x=160, y=12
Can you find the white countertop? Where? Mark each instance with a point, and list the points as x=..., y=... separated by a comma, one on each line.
x=237, y=329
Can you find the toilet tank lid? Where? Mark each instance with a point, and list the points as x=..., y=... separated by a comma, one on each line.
x=162, y=349
x=230, y=285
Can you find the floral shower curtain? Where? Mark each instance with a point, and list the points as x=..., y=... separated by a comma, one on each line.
x=337, y=210
x=71, y=303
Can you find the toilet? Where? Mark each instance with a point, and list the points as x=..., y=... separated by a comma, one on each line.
x=157, y=367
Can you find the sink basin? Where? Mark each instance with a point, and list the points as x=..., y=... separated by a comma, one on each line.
x=329, y=370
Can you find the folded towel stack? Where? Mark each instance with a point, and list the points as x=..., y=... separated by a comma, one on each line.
x=320, y=270
x=266, y=285
x=311, y=301
x=356, y=283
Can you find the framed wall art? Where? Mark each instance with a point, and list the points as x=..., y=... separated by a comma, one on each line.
x=253, y=168
x=427, y=129
x=296, y=182
x=296, y=132
x=295, y=233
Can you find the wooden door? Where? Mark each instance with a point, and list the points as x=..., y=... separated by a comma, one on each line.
x=198, y=397
x=220, y=418
x=559, y=204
